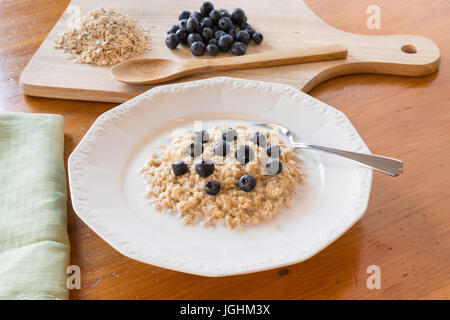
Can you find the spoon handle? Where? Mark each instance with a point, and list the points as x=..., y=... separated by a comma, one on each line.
x=390, y=166
x=277, y=58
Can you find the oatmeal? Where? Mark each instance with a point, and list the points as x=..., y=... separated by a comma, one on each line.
x=104, y=37
x=233, y=176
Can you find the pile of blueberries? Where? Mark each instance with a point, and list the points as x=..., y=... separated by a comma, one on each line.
x=212, y=30
x=244, y=154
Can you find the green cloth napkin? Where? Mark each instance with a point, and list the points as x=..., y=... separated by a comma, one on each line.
x=34, y=245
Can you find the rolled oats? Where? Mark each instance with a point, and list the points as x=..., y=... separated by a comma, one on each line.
x=103, y=37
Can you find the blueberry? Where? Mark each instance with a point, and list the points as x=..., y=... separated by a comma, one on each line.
x=244, y=25
x=193, y=25
x=204, y=167
x=229, y=135
x=184, y=15
x=173, y=29
x=247, y=182
x=274, y=151
x=195, y=149
x=206, y=8
x=193, y=37
x=212, y=187
x=218, y=34
x=212, y=49
x=224, y=23
x=214, y=15
x=221, y=148
x=213, y=41
x=201, y=136
x=206, y=23
x=224, y=13
x=259, y=139
x=182, y=25
x=172, y=41
x=198, y=48
x=225, y=42
x=273, y=166
x=250, y=31
x=232, y=33
x=182, y=36
x=180, y=168
x=243, y=36
x=257, y=37
x=238, y=16
x=207, y=33
x=238, y=48
x=197, y=15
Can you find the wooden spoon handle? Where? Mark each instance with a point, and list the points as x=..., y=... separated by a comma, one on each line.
x=146, y=71
x=277, y=58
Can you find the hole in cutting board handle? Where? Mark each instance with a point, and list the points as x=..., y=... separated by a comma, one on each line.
x=409, y=48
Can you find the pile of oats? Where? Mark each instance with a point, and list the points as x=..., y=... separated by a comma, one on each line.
x=231, y=207
x=103, y=37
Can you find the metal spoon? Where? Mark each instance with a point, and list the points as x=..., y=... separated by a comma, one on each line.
x=390, y=166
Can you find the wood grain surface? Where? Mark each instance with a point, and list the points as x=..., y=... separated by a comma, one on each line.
x=406, y=229
x=291, y=24
x=153, y=71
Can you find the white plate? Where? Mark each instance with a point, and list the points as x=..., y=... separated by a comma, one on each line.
x=107, y=190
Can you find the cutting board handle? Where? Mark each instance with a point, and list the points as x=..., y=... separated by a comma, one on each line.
x=407, y=55
x=404, y=55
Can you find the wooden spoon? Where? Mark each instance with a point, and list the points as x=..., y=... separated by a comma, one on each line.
x=150, y=70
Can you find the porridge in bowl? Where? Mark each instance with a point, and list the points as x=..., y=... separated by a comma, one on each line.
x=233, y=176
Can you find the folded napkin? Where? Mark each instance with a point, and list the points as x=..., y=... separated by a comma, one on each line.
x=34, y=246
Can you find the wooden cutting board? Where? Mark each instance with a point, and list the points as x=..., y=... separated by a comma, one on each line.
x=284, y=23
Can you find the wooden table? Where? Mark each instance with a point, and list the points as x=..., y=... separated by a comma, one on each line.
x=406, y=230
